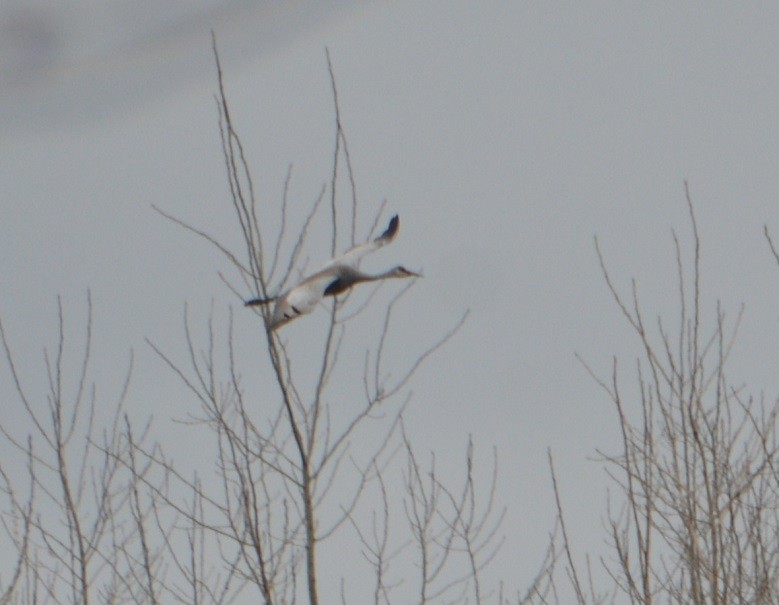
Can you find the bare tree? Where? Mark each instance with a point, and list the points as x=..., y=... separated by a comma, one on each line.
x=285, y=456
x=310, y=457
x=694, y=517
x=74, y=518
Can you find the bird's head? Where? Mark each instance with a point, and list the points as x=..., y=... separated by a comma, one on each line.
x=403, y=272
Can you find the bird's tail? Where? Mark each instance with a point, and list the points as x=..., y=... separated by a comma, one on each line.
x=256, y=302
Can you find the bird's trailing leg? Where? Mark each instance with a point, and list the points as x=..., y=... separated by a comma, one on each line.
x=256, y=302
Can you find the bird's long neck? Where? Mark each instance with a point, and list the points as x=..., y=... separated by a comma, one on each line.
x=362, y=277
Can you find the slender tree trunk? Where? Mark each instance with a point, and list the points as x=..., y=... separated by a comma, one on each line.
x=308, y=503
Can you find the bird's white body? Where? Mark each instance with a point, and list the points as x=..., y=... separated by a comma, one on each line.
x=301, y=299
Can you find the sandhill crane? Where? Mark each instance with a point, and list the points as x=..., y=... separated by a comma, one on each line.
x=335, y=277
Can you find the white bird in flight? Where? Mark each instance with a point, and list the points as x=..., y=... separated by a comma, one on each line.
x=335, y=277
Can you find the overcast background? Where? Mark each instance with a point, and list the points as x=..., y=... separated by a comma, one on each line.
x=506, y=135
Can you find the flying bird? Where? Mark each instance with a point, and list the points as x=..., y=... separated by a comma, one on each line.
x=335, y=277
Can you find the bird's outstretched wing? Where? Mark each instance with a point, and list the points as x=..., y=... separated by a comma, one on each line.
x=351, y=258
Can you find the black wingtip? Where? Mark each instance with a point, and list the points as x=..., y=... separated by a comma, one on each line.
x=255, y=302
x=392, y=229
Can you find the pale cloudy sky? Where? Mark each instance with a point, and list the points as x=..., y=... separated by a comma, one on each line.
x=506, y=135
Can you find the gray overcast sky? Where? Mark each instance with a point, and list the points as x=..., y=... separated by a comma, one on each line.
x=506, y=135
